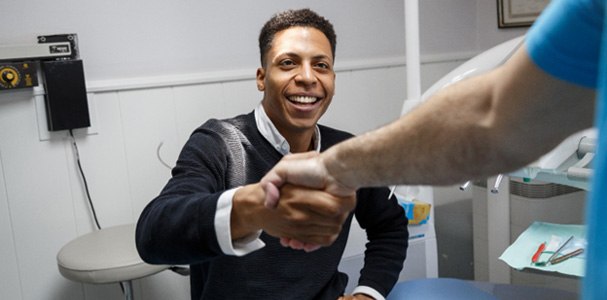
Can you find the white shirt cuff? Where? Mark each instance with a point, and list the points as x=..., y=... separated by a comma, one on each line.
x=223, y=231
x=368, y=291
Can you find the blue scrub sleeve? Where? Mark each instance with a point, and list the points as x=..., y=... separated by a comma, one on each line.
x=565, y=41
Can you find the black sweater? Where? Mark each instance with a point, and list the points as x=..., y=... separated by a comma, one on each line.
x=177, y=227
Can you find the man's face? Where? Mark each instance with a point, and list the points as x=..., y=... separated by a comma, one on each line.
x=298, y=80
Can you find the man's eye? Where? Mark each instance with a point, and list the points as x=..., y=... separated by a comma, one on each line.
x=287, y=63
x=322, y=65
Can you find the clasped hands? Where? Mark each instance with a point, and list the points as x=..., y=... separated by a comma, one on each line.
x=304, y=179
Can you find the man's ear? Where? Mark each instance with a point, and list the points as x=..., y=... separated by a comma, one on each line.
x=261, y=76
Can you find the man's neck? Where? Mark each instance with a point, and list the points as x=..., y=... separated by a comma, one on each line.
x=301, y=141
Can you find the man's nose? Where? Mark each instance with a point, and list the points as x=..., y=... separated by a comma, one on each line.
x=306, y=75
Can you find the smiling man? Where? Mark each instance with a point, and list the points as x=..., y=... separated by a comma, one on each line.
x=211, y=213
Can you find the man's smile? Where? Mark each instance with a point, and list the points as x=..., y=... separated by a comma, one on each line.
x=303, y=99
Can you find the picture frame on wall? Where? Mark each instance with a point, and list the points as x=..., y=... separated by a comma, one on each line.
x=519, y=13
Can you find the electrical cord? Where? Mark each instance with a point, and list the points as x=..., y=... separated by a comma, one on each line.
x=160, y=158
x=86, y=186
x=88, y=195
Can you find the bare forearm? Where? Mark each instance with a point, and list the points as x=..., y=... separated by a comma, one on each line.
x=416, y=148
x=482, y=126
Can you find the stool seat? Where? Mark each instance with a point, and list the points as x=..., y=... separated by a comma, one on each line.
x=108, y=255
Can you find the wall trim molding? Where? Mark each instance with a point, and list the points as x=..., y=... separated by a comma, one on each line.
x=123, y=84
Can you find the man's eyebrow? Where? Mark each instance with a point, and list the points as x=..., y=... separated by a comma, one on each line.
x=322, y=56
x=287, y=54
x=294, y=54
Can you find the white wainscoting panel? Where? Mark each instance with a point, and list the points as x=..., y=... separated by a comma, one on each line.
x=240, y=97
x=148, y=118
x=194, y=104
x=39, y=198
x=10, y=283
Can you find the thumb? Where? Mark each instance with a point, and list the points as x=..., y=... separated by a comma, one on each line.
x=271, y=183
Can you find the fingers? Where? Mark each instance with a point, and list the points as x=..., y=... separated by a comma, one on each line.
x=311, y=247
x=285, y=242
x=299, y=169
x=302, y=169
x=311, y=218
x=272, y=194
x=316, y=202
x=300, y=235
x=299, y=245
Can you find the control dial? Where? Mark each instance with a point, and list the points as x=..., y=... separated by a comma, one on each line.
x=9, y=77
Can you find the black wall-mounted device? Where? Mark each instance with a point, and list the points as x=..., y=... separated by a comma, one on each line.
x=62, y=73
x=65, y=99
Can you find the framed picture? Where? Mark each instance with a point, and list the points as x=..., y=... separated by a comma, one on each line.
x=519, y=13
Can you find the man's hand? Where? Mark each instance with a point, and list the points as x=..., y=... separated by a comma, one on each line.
x=304, y=169
x=312, y=217
x=316, y=217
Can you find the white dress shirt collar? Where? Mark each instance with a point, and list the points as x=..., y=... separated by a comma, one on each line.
x=271, y=134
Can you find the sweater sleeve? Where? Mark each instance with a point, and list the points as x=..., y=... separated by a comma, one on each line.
x=177, y=227
x=386, y=226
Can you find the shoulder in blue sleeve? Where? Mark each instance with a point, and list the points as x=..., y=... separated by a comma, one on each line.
x=565, y=40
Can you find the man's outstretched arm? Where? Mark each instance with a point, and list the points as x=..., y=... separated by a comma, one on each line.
x=492, y=123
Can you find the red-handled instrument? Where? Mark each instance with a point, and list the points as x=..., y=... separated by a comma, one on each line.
x=539, y=251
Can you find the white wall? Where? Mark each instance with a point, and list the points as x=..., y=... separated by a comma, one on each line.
x=131, y=38
x=156, y=70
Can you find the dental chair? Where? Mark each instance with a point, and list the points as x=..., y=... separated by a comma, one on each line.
x=457, y=289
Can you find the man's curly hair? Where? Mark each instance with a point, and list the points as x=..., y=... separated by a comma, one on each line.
x=292, y=18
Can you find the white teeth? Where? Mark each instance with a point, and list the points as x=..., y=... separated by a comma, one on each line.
x=303, y=99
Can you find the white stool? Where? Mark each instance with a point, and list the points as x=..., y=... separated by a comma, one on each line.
x=108, y=255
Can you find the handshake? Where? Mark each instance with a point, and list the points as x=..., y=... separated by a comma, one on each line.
x=317, y=201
